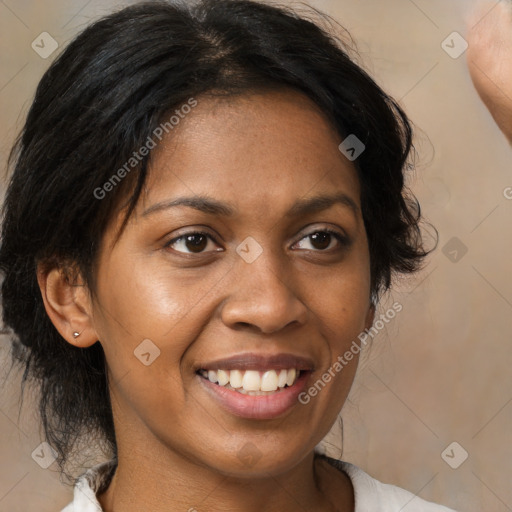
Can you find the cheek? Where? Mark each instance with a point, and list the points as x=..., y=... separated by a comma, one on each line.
x=343, y=312
x=345, y=299
x=144, y=299
x=146, y=319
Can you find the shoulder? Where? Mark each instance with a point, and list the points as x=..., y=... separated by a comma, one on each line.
x=374, y=496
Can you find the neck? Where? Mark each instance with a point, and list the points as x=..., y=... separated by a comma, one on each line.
x=171, y=483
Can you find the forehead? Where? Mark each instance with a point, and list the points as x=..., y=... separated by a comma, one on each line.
x=252, y=150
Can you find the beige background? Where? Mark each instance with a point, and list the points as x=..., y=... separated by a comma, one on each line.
x=440, y=372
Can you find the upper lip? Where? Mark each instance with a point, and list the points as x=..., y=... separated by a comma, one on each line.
x=254, y=361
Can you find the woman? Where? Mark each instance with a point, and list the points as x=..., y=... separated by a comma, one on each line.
x=207, y=203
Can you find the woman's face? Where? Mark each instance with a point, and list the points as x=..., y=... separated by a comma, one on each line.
x=241, y=275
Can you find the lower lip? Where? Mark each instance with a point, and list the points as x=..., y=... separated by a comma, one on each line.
x=262, y=407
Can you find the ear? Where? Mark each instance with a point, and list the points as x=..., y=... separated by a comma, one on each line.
x=370, y=316
x=67, y=303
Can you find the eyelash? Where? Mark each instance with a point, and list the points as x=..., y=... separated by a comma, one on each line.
x=342, y=239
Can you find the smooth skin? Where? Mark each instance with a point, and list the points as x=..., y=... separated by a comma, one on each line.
x=489, y=58
x=200, y=301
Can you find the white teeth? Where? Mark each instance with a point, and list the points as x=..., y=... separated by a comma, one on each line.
x=253, y=382
x=235, y=379
x=291, y=377
x=269, y=381
x=223, y=377
x=281, y=380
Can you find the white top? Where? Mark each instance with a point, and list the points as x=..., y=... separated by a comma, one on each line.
x=370, y=494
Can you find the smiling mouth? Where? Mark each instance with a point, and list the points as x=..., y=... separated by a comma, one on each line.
x=253, y=382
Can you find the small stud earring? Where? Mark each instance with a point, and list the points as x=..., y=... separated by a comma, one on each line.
x=76, y=334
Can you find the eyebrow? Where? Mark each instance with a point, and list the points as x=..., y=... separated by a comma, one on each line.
x=320, y=203
x=211, y=206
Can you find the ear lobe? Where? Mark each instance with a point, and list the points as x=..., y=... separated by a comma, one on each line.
x=68, y=306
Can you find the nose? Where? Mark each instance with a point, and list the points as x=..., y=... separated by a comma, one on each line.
x=264, y=297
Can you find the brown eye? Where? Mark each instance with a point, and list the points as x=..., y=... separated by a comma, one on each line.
x=196, y=243
x=190, y=243
x=323, y=239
